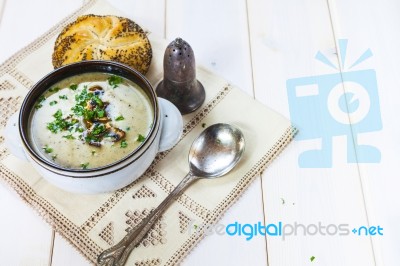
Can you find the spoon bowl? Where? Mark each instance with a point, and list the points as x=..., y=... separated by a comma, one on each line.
x=216, y=151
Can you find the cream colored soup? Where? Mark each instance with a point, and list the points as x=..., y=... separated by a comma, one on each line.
x=90, y=120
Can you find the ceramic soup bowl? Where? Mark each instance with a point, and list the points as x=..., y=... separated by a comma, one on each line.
x=165, y=131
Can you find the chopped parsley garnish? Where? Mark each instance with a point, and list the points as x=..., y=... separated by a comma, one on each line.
x=140, y=138
x=124, y=144
x=84, y=165
x=55, y=89
x=63, y=97
x=53, y=157
x=78, y=110
x=100, y=113
x=73, y=86
x=98, y=101
x=83, y=97
x=128, y=128
x=39, y=102
x=95, y=133
x=93, y=114
x=53, y=127
x=47, y=149
x=60, y=124
x=312, y=258
x=98, y=129
x=88, y=114
x=88, y=98
x=69, y=136
x=203, y=125
x=58, y=114
x=114, y=81
x=120, y=118
x=91, y=138
x=53, y=103
x=79, y=129
x=93, y=152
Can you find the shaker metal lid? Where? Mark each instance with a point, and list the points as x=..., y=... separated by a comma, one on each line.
x=179, y=62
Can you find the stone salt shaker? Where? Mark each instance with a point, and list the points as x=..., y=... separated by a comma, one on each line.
x=180, y=85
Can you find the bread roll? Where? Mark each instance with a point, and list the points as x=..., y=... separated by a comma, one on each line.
x=93, y=37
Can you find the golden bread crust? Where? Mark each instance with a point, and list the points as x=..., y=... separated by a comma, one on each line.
x=93, y=37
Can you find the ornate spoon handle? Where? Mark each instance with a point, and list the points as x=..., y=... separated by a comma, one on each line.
x=118, y=254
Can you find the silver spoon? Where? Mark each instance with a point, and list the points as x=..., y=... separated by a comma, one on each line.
x=214, y=153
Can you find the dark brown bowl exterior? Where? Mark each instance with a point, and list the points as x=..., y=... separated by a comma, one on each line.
x=109, y=67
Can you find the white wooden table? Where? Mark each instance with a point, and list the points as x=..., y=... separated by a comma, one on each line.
x=257, y=45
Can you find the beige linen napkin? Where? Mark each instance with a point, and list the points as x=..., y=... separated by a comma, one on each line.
x=104, y=219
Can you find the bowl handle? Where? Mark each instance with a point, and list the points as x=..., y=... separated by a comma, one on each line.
x=13, y=139
x=171, y=125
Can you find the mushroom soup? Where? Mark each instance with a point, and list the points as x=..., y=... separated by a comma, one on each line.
x=90, y=120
